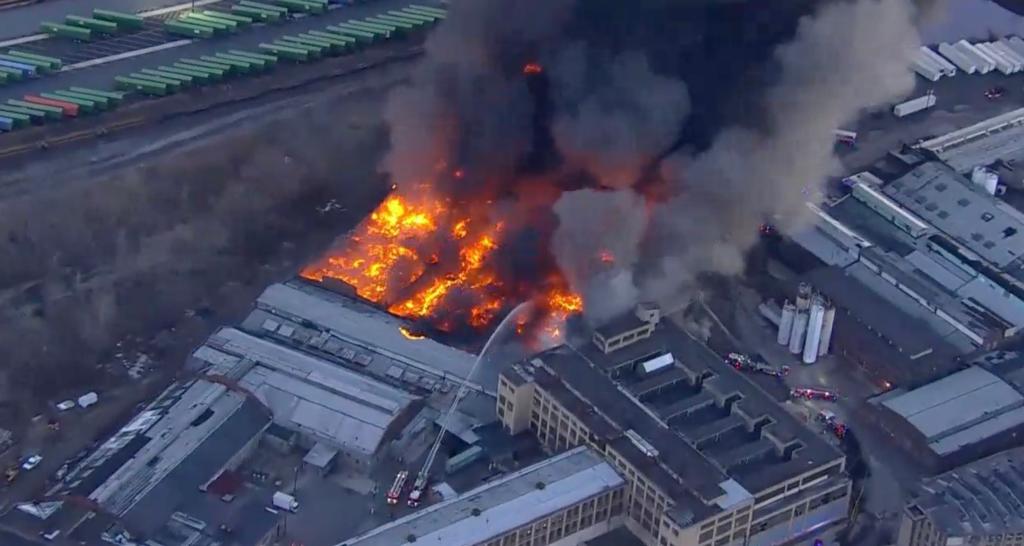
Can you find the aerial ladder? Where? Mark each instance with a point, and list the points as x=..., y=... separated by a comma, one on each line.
x=420, y=485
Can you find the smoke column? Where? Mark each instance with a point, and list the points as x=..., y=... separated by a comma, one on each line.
x=845, y=58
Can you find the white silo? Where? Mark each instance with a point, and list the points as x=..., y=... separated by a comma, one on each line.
x=985, y=178
x=813, y=337
x=796, y=337
x=826, y=329
x=786, y=322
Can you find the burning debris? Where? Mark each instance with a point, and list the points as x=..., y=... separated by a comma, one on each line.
x=525, y=158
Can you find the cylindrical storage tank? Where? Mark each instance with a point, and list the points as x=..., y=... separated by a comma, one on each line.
x=786, y=323
x=827, y=323
x=796, y=337
x=813, y=337
x=991, y=182
x=803, y=297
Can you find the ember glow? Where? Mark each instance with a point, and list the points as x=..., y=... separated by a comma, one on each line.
x=532, y=68
x=427, y=258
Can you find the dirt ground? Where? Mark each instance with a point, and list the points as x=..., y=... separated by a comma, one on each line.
x=150, y=259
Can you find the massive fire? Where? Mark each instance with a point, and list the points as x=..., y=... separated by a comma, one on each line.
x=399, y=258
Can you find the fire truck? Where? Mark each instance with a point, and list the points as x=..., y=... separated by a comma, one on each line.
x=833, y=424
x=814, y=394
x=745, y=363
x=395, y=493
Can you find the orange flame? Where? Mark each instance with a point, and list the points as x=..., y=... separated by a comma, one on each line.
x=409, y=334
x=606, y=257
x=532, y=68
x=391, y=261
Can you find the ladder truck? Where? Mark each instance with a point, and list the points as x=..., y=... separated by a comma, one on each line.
x=420, y=485
x=396, y=488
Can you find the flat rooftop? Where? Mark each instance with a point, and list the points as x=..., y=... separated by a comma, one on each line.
x=997, y=138
x=717, y=437
x=505, y=504
x=960, y=409
x=985, y=497
x=359, y=332
x=344, y=408
x=978, y=221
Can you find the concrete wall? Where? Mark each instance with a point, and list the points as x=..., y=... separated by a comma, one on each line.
x=803, y=525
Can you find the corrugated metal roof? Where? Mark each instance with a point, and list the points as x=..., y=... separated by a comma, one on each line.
x=366, y=327
x=505, y=504
x=960, y=409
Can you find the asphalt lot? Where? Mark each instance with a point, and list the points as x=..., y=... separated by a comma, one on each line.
x=102, y=76
x=23, y=21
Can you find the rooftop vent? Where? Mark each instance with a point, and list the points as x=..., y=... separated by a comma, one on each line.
x=641, y=444
x=628, y=328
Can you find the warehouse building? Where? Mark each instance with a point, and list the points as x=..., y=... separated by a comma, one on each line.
x=709, y=459
x=334, y=410
x=1000, y=138
x=955, y=420
x=341, y=329
x=980, y=222
x=566, y=499
x=979, y=503
x=154, y=473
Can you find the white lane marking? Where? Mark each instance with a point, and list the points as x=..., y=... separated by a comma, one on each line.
x=126, y=55
x=24, y=40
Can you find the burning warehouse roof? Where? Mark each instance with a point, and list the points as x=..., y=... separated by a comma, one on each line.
x=536, y=155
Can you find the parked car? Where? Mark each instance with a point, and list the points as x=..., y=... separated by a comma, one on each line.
x=31, y=462
x=995, y=93
x=66, y=405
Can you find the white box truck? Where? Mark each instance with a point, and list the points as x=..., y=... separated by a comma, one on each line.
x=88, y=399
x=284, y=501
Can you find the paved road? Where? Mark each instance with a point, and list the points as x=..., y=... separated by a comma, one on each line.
x=25, y=20
x=102, y=76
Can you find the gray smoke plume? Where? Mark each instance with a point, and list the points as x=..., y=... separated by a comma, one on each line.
x=846, y=58
x=596, y=246
x=615, y=115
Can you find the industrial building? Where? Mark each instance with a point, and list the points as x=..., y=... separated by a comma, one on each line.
x=998, y=139
x=709, y=458
x=155, y=477
x=332, y=409
x=979, y=503
x=565, y=499
x=344, y=330
x=955, y=420
x=980, y=222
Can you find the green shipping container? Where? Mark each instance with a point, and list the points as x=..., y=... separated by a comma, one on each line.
x=66, y=31
x=141, y=86
x=265, y=7
x=393, y=27
x=53, y=62
x=122, y=20
x=84, y=106
x=258, y=64
x=224, y=70
x=185, y=81
x=37, y=116
x=214, y=73
x=237, y=66
x=327, y=48
x=413, y=24
x=105, y=27
x=367, y=27
x=173, y=86
x=299, y=6
x=412, y=14
x=114, y=96
x=20, y=120
x=218, y=27
x=256, y=14
x=199, y=78
x=237, y=19
x=357, y=33
x=99, y=103
x=314, y=50
x=269, y=59
x=181, y=28
x=434, y=11
x=286, y=52
x=12, y=74
x=51, y=112
x=345, y=43
x=232, y=26
x=41, y=67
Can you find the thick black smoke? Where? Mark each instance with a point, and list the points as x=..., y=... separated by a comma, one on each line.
x=629, y=85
